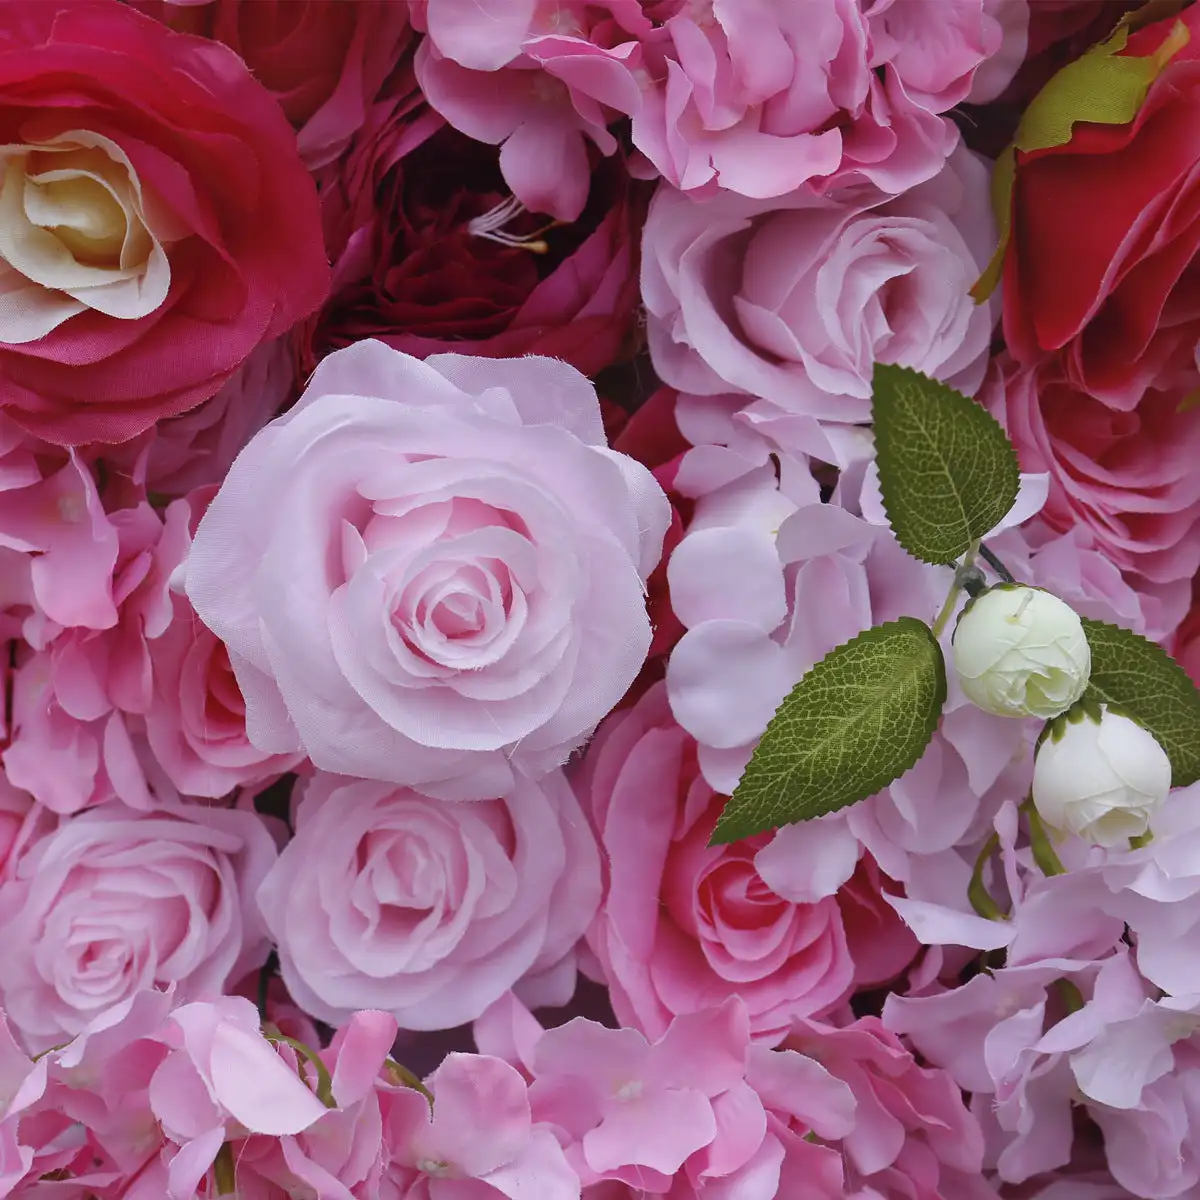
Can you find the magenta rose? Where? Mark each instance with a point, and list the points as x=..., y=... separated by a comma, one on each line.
x=430, y=909
x=432, y=254
x=792, y=301
x=115, y=901
x=431, y=573
x=156, y=223
x=1127, y=475
x=685, y=925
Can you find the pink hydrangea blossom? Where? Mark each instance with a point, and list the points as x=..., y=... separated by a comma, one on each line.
x=430, y=909
x=431, y=573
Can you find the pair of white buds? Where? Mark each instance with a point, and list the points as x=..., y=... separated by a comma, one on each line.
x=1022, y=652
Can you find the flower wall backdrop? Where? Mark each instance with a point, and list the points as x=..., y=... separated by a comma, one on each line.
x=444, y=445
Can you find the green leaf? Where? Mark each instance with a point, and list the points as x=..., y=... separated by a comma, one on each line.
x=947, y=471
x=1143, y=679
x=859, y=719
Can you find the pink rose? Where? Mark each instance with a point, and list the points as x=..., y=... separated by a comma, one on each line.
x=196, y=726
x=158, y=222
x=793, y=300
x=684, y=925
x=1127, y=476
x=429, y=909
x=323, y=60
x=431, y=573
x=114, y=901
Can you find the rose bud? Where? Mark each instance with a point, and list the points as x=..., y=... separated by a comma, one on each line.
x=1021, y=652
x=1101, y=776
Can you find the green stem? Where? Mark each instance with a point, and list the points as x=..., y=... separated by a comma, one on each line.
x=401, y=1074
x=1039, y=842
x=977, y=893
x=224, y=1172
x=324, y=1080
x=951, y=602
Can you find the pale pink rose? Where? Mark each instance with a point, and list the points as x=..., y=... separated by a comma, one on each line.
x=794, y=300
x=196, y=727
x=430, y=909
x=115, y=901
x=761, y=98
x=684, y=925
x=1126, y=476
x=431, y=573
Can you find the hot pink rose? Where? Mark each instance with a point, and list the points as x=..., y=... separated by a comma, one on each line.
x=431, y=573
x=1128, y=476
x=323, y=60
x=684, y=925
x=114, y=901
x=429, y=909
x=794, y=300
x=158, y=223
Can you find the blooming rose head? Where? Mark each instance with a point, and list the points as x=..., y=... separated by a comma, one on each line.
x=431, y=573
x=1021, y=652
x=429, y=909
x=1124, y=473
x=156, y=223
x=1125, y=310
x=323, y=60
x=1101, y=776
x=685, y=924
x=114, y=901
x=794, y=300
x=432, y=254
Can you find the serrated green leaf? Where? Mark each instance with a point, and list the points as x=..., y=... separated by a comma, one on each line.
x=1142, y=678
x=859, y=719
x=947, y=471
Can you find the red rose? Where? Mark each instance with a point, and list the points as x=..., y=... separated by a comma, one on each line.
x=156, y=223
x=1101, y=267
x=431, y=254
x=324, y=61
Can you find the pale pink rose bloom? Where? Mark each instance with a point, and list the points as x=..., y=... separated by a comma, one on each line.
x=430, y=909
x=431, y=573
x=684, y=925
x=793, y=300
x=115, y=901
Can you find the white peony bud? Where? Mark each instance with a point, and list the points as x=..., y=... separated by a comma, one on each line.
x=1021, y=652
x=1101, y=780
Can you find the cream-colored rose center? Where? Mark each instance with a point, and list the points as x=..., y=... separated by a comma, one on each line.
x=75, y=235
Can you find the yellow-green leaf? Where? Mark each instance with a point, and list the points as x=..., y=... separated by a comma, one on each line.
x=859, y=719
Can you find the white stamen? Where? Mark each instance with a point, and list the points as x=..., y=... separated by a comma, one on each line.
x=490, y=226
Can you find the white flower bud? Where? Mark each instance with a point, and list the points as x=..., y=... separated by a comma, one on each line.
x=1021, y=652
x=1100, y=780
